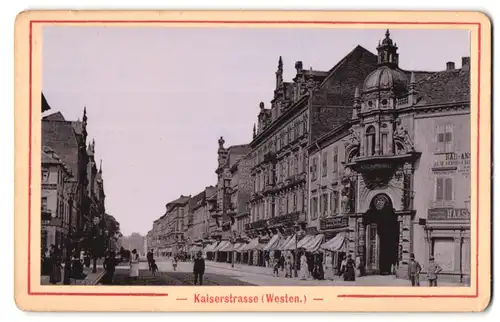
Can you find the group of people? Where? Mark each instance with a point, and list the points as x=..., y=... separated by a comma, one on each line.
x=414, y=270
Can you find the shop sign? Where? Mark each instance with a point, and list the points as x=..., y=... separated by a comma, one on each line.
x=448, y=214
x=459, y=160
x=49, y=186
x=256, y=225
x=288, y=219
x=333, y=223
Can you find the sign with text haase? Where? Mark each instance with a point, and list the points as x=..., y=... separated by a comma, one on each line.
x=448, y=214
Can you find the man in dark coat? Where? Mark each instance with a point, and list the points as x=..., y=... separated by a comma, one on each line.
x=149, y=257
x=198, y=269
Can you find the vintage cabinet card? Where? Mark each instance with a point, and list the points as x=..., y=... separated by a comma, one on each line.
x=304, y=161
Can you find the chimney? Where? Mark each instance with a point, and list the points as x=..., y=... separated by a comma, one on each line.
x=450, y=65
x=465, y=63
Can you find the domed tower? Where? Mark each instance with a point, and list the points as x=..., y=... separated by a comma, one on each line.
x=378, y=100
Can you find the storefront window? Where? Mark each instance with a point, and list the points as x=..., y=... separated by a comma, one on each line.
x=443, y=251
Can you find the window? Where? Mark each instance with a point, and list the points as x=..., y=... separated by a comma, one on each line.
x=444, y=189
x=384, y=143
x=294, y=194
x=324, y=165
x=44, y=204
x=314, y=208
x=314, y=169
x=335, y=159
x=445, y=138
x=334, y=202
x=370, y=141
x=45, y=176
x=324, y=204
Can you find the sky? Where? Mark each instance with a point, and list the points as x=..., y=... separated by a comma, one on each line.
x=158, y=99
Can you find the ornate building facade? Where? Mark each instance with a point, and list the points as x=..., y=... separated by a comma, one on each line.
x=396, y=174
x=301, y=111
x=223, y=209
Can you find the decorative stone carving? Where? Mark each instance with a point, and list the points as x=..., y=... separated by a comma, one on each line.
x=353, y=138
x=401, y=134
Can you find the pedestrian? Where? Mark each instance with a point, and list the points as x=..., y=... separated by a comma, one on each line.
x=150, y=258
x=310, y=264
x=55, y=264
x=109, y=266
x=154, y=267
x=349, y=270
x=288, y=266
x=282, y=262
x=267, y=259
x=174, y=263
x=198, y=269
x=432, y=272
x=134, y=265
x=414, y=270
x=276, y=266
x=303, y=267
x=343, y=265
x=320, y=272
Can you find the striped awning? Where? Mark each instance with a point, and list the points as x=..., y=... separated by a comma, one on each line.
x=304, y=241
x=290, y=244
x=314, y=244
x=272, y=243
x=225, y=244
x=240, y=248
x=282, y=242
x=335, y=244
x=210, y=247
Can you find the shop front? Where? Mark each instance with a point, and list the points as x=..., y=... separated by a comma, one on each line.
x=335, y=229
x=448, y=240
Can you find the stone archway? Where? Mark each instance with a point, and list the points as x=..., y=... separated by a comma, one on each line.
x=382, y=236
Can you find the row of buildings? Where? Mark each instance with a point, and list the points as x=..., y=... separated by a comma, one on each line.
x=73, y=213
x=366, y=159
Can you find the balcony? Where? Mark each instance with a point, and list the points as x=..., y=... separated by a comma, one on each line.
x=288, y=219
x=259, y=224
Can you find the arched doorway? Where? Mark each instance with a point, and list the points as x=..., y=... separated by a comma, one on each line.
x=382, y=236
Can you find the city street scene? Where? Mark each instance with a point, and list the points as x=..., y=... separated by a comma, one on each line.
x=269, y=157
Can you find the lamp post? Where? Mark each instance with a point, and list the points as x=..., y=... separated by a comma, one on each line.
x=94, y=246
x=69, y=242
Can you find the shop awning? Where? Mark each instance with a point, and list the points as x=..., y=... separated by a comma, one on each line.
x=223, y=246
x=210, y=247
x=282, y=242
x=240, y=248
x=194, y=249
x=314, y=244
x=290, y=244
x=250, y=244
x=272, y=243
x=304, y=241
x=334, y=244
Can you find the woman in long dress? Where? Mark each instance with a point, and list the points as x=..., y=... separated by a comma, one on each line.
x=134, y=265
x=55, y=265
x=304, y=269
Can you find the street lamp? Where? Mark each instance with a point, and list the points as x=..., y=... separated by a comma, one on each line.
x=69, y=243
x=94, y=246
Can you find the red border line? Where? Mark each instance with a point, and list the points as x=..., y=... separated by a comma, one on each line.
x=246, y=22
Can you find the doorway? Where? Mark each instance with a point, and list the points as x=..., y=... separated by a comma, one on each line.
x=382, y=236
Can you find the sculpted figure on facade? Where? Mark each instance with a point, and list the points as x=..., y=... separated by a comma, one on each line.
x=402, y=134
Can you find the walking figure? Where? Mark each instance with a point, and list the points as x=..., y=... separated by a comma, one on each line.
x=174, y=263
x=276, y=266
x=433, y=271
x=198, y=269
x=154, y=267
x=414, y=270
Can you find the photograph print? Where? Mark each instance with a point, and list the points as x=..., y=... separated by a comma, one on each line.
x=255, y=156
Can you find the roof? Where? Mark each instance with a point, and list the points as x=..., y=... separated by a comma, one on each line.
x=45, y=104
x=358, y=49
x=196, y=200
x=182, y=200
x=57, y=116
x=61, y=137
x=443, y=87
